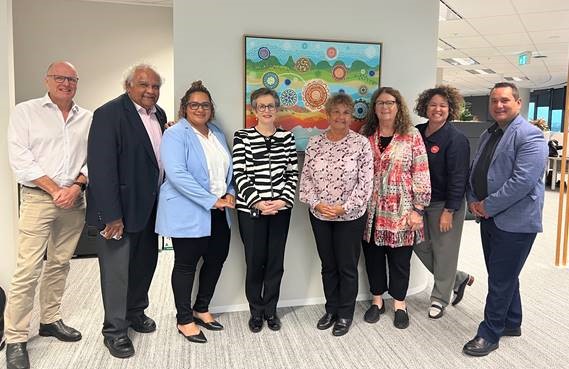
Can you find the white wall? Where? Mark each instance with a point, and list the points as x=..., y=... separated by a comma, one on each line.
x=7, y=184
x=208, y=45
x=102, y=40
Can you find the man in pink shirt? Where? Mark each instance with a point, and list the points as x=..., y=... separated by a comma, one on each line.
x=124, y=163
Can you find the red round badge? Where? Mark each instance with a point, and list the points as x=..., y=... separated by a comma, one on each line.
x=435, y=149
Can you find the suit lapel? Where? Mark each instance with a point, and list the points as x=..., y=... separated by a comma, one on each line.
x=195, y=142
x=505, y=141
x=138, y=128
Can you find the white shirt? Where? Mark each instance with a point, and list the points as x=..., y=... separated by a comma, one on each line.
x=152, y=127
x=217, y=162
x=41, y=143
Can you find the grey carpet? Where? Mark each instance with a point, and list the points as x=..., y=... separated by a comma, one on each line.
x=425, y=344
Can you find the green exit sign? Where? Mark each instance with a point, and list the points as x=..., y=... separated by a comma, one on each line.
x=524, y=58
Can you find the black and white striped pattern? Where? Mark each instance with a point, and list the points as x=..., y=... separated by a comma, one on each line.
x=265, y=168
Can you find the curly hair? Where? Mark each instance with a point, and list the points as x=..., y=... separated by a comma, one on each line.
x=339, y=99
x=449, y=93
x=403, y=121
x=197, y=86
x=263, y=91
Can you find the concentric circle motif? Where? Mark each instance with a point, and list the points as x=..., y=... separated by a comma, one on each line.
x=371, y=73
x=363, y=72
x=362, y=90
x=342, y=91
x=264, y=53
x=287, y=82
x=270, y=80
x=331, y=52
x=339, y=72
x=288, y=97
x=361, y=108
x=314, y=94
x=302, y=64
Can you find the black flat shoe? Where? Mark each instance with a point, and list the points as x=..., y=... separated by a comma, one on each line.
x=60, y=331
x=196, y=338
x=327, y=320
x=401, y=319
x=17, y=356
x=374, y=312
x=142, y=324
x=512, y=332
x=478, y=346
x=255, y=324
x=273, y=322
x=120, y=347
x=459, y=293
x=210, y=326
x=341, y=327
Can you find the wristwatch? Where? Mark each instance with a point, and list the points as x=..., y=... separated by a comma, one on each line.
x=81, y=185
x=451, y=211
x=421, y=212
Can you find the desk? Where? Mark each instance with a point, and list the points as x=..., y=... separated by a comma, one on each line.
x=554, y=164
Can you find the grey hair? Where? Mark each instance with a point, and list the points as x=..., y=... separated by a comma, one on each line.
x=129, y=75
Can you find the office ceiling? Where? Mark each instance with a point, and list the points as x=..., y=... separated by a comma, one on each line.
x=493, y=33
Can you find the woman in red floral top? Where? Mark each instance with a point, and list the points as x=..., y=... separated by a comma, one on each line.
x=401, y=191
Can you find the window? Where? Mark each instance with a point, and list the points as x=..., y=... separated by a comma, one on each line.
x=531, y=111
x=556, y=120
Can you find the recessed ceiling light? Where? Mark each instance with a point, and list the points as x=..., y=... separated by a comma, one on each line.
x=446, y=13
x=516, y=79
x=481, y=71
x=461, y=61
x=538, y=55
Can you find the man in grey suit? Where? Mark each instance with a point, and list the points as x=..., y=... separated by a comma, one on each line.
x=505, y=192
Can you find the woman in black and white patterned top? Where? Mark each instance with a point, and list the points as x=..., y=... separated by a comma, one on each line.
x=266, y=175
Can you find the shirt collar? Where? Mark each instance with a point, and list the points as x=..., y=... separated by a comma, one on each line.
x=140, y=109
x=46, y=101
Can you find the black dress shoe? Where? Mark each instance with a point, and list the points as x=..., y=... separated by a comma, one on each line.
x=142, y=324
x=341, y=327
x=120, y=347
x=255, y=324
x=401, y=319
x=373, y=313
x=478, y=346
x=17, y=356
x=512, y=332
x=210, y=326
x=197, y=338
x=60, y=331
x=273, y=322
x=459, y=293
x=326, y=321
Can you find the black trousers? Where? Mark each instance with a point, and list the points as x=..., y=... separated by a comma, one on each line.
x=187, y=252
x=127, y=267
x=505, y=254
x=338, y=244
x=399, y=261
x=264, y=239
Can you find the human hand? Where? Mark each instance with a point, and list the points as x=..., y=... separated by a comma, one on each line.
x=113, y=230
x=65, y=197
x=169, y=124
x=414, y=220
x=477, y=209
x=223, y=203
x=338, y=210
x=326, y=210
x=265, y=207
x=273, y=206
x=230, y=199
x=445, y=222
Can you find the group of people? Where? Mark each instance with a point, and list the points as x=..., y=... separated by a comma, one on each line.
x=390, y=190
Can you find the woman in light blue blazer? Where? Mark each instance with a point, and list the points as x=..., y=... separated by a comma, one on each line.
x=193, y=207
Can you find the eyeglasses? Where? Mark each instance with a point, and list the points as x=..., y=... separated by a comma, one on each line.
x=388, y=103
x=263, y=108
x=61, y=79
x=196, y=106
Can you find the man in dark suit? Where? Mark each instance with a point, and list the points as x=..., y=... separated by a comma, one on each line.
x=124, y=178
x=505, y=192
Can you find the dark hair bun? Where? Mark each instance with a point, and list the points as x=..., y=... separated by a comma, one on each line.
x=197, y=85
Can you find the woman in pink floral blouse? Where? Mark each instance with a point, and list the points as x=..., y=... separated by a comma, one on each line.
x=401, y=191
x=336, y=183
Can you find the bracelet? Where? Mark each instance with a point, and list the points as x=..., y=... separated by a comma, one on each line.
x=421, y=212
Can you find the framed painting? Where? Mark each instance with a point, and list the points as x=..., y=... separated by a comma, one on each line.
x=304, y=73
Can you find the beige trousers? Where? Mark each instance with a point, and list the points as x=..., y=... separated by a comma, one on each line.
x=42, y=227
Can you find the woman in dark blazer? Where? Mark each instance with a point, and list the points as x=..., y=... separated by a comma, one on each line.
x=192, y=209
